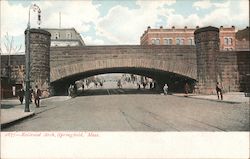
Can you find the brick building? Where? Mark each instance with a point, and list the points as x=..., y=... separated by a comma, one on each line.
x=185, y=36
x=172, y=36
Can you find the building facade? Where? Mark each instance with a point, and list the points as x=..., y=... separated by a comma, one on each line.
x=65, y=37
x=242, y=40
x=185, y=36
x=168, y=36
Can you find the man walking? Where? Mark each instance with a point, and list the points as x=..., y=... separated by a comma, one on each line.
x=21, y=95
x=165, y=89
x=37, y=94
x=219, y=91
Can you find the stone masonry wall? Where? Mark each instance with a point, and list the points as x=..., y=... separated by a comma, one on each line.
x=233, y=68
x=39, y=58
x=178, y=59
x=207, y=46
x=228, y=71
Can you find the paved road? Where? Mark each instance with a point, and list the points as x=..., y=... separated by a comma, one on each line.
x=135, y=110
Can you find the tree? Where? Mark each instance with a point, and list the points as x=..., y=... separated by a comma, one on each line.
x=10, y=49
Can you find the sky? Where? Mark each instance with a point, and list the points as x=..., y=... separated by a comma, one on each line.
x=120, y=22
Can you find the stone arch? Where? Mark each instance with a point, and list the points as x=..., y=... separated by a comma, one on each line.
x=61, y=72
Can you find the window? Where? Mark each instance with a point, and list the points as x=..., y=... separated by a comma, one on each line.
x=225, y=41
x=57, y=36
x=153, y=41
x=168, y=41
x=190, y=41
x=157, y=41
x=230, y=41
x=178, y=41
x=69, y=36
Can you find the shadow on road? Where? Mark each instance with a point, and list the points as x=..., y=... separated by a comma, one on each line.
x=7, y=106
x=116, y=91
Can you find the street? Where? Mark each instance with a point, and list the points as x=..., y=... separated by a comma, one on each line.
x=124, y=109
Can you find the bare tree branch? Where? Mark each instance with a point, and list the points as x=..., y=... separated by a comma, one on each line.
x=10, y=46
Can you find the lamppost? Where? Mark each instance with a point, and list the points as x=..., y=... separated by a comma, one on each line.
x=27, y=57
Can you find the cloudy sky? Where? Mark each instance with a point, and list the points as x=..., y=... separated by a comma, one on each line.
x=110, y=22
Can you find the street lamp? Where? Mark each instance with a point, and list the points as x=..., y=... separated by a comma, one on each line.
x=27, y=57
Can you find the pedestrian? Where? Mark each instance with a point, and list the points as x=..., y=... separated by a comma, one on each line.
x=30, y=96
x=186, y=88
x=219, y=91
x=70, y=90
x=165, y=89
x=119, y=84
x=151, y=85
x=144, y=84
x=37, y=95
x=75, y=90
x=139, y=86
x=82, y=87
x=21, y=95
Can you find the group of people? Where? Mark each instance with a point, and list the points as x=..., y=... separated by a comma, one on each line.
x=73, y=90
x=187, y=88
x=151, y=84
x=37, y=93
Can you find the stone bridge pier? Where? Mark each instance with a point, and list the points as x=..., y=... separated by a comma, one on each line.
x=207, y=48
x=39, y=59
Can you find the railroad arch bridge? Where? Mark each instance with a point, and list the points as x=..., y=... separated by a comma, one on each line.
x=57, y=67
x=161, y=63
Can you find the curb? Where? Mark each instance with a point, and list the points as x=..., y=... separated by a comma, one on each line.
x=213, y=100
x=9, y=123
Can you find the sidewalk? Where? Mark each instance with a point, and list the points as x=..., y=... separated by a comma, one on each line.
x=231, y=97
x=12, y=111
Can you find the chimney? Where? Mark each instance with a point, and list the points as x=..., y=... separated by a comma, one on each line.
x=149, y=27
x=161, y=27
x=197, y=27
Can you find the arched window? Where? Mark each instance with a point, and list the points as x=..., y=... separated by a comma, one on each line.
x=168, y=41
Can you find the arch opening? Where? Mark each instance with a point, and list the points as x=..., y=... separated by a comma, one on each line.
x=176, y=82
